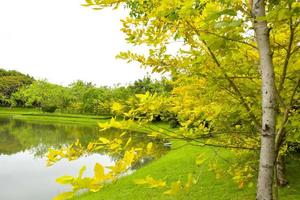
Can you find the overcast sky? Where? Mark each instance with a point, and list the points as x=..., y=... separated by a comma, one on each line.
x=62, y=41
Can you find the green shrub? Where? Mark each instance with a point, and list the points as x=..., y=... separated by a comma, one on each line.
x=49, y=109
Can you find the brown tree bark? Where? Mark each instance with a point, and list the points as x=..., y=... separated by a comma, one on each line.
x=281, y=179
x=267, y=152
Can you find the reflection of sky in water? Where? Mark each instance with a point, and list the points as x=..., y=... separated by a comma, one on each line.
x=23, y=177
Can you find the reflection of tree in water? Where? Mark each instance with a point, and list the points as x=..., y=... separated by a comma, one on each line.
x=18, y=135
x=8, y=143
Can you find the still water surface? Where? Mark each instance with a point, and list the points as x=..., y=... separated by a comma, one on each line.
x=23, y=149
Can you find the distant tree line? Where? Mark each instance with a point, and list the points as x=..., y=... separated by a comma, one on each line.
x=19, y=90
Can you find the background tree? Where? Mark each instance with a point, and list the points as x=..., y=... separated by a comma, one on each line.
x=44, y=95
x=144, y=85
x=10, y=82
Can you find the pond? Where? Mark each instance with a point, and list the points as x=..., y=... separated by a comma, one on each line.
x=23, y=150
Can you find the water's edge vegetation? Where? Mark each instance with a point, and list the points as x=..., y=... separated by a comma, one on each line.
x=34, y=114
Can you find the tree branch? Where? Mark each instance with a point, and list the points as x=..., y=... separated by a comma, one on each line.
x=230, y=39
x=200, y=143
x=288, y=55
x=231, y=82
x=281, y=133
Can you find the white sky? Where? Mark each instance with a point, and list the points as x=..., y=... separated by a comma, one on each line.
x=62, y=41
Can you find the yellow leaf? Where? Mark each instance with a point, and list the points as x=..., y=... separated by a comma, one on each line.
x=129, y=157
x=116, y=107
x=96, y=189
x=104, y=140
x=104, y=126
x=77, y=143
x=153, y=134
x=118, y=168
x=82, y=170
x=124, y=133
x=140, y=181
x=128, y=142
x=149, y=146
x=151, y=182
x=138, y=149
x=175, y=188
x=190, y=182
x=64, y=196
x=90, y=146
x=99, y=147
x=99, y=171
x=200, y=159
x=157, y=183
x=65, y=180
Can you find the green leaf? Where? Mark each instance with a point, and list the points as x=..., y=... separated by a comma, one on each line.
x=225, y=24
x=216, y=15
x=284, y=14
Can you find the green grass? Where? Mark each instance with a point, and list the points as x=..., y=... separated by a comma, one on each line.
x=39, y=116
x=36, y=115
x=176, y=165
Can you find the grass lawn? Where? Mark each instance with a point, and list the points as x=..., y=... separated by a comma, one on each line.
x=37, y=115
x=176, y=165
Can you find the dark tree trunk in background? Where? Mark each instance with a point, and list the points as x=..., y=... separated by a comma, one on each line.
x=280, y=166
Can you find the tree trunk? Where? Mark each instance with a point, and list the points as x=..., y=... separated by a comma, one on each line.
x=281, y=179
x=280, y=166
x=267, y=152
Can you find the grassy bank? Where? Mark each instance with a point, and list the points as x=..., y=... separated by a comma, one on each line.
x=37, y=115
x=176, y=165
